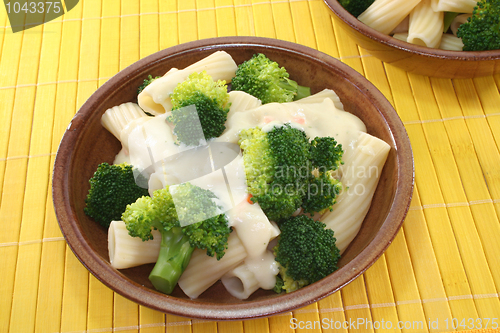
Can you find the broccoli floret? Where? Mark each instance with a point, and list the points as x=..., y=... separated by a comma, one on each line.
x=146, y=82
x=279, y=167
x=356, y=7
x=306, y=252
x=323, y=188
x=322, y=192
x=266, y=80
x=187, y=218
x=112, y=188
x=481, y=32
x=326, y=154
x=278, y=287
x=211, y=101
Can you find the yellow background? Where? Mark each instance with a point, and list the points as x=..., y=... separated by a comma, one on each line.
x=442, y=265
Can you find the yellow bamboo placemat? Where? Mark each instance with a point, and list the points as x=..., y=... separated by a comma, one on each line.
x=441, y=272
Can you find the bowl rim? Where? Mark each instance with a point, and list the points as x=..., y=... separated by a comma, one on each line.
x=389, y=41
x=116, y=281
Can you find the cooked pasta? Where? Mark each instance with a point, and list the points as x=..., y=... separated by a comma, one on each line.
x=360, y=174
x=456, y=6
x=320, y=96
x=203, y=271
x=458, y=21
x=240, y=282
x=126, y=251
x=425, y=25
x=451, y=42
x=148, y=141
x=115, y=119
x=255, y=232
x=403, y=36
x=155, y=98
x=385, y=15
x=241, y=101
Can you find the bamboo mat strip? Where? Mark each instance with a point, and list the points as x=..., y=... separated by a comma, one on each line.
x=243, y=15
x=286, y=19
x=263, y=20
x=168, y=24
x=441, y=265
x=348, y=50
x=323, y=29
x=444, y=245
x=225, y=18
x=148, y=26
x=35, y=189
x=206, y=21
x=399, y=283
x=426, y=269
x=469, y=139
x=465, y=232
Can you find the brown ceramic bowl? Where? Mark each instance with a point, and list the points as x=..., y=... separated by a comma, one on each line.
x=414, y=58
x=86, y=144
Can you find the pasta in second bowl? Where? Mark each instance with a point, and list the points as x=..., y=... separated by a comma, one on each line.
x=414, y=58
x=87, y=143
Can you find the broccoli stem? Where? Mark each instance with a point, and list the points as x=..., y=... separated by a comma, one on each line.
x=288, y=84
x=292, y=85
x=302, y=92
x=174, y=256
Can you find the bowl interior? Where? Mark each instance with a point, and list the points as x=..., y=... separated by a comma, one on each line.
x=86, y=144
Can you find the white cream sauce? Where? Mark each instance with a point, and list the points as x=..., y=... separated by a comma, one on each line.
x=255, y=231
x=316, y=119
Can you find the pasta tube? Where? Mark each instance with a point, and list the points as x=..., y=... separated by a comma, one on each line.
x=385, y=15
x=451, y=42
x=426, y=25
x=403, y=36
x=240, y=282
x=458, y=21
x=320, y=96
x=203, y=271
x=115, y=119
x=241, y=101
x=456, y=6
x=126, y=251
x=255, y=232
x=155, y=98
x=360, y=173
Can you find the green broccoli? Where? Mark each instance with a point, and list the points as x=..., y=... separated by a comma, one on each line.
x=278, y=286
x=146, y=82
x=481, y=32
x=322, y=192
x=306, y=252
x=112, y=188
x=323, y=188
x=264, y=79
x=277, y=166
x=187, y=218
x=282, y=165
x=356, y=7
x=448, y=19
x=211, y=101
x=326, y=154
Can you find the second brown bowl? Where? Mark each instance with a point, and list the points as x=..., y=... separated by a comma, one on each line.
x=414, y=58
